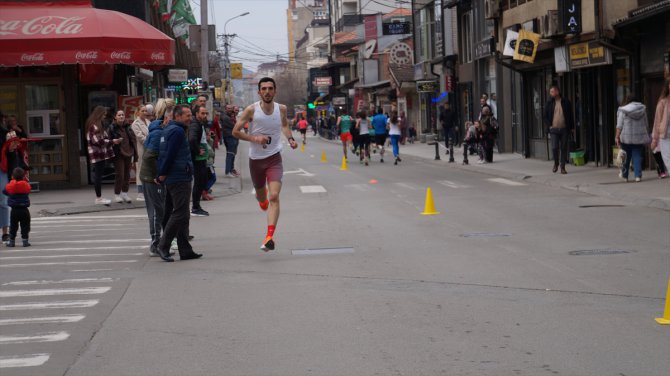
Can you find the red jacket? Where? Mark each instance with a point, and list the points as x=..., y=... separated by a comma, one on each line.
x=17, y=193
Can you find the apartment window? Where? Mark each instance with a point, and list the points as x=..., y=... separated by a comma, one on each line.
x=466, y=37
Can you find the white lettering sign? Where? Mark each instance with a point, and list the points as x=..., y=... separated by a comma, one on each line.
x=44, y=25
x=86, y=55
x=123, y=55
x=158, y=56
x=38, y=56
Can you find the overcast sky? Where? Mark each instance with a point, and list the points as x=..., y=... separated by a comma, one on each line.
x=262, y=33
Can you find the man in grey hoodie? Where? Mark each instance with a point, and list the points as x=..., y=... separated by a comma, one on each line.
x=632, y=134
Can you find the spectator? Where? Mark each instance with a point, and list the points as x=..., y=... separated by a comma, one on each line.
x=4, y=209
x=100, y=149
x=197, y=140
x=231, y=142
x=125, y=155
x=140, y=128
x=660, y=135
x=17, y=190
x=632, y=134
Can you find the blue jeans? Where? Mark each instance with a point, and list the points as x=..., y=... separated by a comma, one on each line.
x=395, y=139
x=633, y=152
x=231, y=150
x=4, y=208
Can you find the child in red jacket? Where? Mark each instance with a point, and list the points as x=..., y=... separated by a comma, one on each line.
x=17, y=198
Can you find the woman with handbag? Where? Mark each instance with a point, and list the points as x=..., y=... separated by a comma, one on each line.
x=660, y=134
x=125, y=155
x=632, y=134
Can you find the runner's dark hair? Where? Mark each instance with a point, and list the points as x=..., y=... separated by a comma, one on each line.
x=266, y=79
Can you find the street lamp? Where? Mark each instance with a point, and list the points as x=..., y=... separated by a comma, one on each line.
x=226, y=49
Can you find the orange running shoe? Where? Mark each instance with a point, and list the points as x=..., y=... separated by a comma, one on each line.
x=268, y=244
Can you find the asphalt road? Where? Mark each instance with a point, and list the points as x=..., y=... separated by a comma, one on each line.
x=487, y=287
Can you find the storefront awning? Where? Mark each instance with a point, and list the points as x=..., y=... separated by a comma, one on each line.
x=74, y=32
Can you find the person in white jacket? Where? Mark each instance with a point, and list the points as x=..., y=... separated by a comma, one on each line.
x=632, y=135
x=141, y=129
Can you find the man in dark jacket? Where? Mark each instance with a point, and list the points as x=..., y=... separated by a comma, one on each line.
x=559, y=121
x=448, y=120
x=197, y=141
x=175, y=170
x=231, y=142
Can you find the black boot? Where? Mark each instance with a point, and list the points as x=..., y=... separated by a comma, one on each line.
x=26, y=243
x=10, y=243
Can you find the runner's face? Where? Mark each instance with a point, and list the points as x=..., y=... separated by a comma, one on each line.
x=267, y=92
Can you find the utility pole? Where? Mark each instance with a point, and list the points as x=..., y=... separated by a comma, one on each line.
x=204, y=44
x=226, y=69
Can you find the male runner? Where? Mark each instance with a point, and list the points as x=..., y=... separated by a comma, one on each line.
x=267, y=121
x=344, y=123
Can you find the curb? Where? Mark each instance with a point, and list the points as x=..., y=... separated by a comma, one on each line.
x=235, y=188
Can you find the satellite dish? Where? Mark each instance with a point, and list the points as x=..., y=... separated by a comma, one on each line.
x=369, y=48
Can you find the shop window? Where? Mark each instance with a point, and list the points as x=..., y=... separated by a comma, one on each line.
x=44, y=122
x=8, y=95
x=466, y=37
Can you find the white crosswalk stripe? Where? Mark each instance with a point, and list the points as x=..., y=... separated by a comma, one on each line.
x=50, y=305
x=52, y=292
x=64, y=263
x=41, y=337
x=30, y=360
x=451, y=184
x=312, y=189
x=43, y=320
x=72, y=280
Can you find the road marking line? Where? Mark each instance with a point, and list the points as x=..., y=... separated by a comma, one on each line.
x=60, y=225
x=42, y=337
x=70, y=218
x=300, y=172
x=312, y=189
x=30, y=360
x=33, y=234
x=452, y=184
x=93, y=270
x=50, y=305
x=66, y=256
x=506, y=182
x=53, y=292
x=70, y=280
x=106, y=241
x=44, y=320
x=35, y=249
x=63, y=263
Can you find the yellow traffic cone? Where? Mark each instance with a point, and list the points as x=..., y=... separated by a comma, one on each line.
x=323, y=157
x=344, y=164
x=302, y=148
x=665, y=320
x=429, y=208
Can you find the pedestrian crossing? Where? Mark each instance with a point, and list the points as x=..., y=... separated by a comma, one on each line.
x=43, y=309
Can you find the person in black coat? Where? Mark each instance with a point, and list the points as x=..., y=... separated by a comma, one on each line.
x=448, y=120
x=560, y=124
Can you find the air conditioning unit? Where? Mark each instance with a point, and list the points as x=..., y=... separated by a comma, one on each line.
x=550, y=25
x=492, y=8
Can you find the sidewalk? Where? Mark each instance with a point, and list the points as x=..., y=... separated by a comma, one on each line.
x=598, y=181
x=80, y=200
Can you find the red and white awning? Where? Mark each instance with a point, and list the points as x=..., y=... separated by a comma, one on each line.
x=76, y=33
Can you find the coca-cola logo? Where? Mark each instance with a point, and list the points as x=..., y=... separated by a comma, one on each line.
x=158, y=56
x=37, y=56
x=86, y=55
x=43, y=25
x=121, y=55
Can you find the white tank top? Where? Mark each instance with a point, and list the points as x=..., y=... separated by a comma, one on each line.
x=266, y=125
x=363, y=127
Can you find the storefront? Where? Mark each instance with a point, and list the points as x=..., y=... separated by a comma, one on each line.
x=49, y=51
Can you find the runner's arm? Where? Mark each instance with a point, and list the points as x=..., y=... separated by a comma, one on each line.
x=285, y=128
x=246, y=116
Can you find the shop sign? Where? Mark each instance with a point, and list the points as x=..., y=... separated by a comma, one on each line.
x=323, y=81
x=589, y=54
x=484, y=48
x=426, y=86
x=339, y=101
x=571, y=15
x=526, y=46
x=177, y=75
x=395, y=28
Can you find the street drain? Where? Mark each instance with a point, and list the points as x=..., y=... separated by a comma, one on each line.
x=602, y=206
x=485, y=235
x=321, y=251
x=596, y=252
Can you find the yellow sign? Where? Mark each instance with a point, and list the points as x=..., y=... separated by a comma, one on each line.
x=588, y=54
x=526, y=46
x=236, y=71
